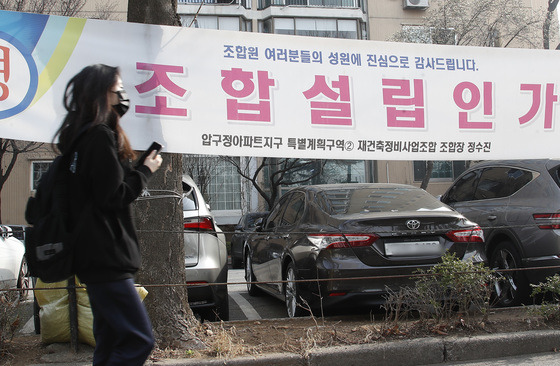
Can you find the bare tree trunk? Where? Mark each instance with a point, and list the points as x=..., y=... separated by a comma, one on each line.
x=160, y=223
x=429, y=169
x=552, y=4
x=160, y=220
x=162, y=12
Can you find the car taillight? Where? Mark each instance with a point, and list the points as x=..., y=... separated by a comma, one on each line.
x=473, y=235
x=198, y=224
x=334, y=241
x=548, y=220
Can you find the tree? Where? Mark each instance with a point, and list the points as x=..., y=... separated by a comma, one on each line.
x=547, y=34
x=105, y=10
x=483, y=23
x=163, y=12
x=201, y=168
x=160, y=223
x=276, y=173
x=67, y=8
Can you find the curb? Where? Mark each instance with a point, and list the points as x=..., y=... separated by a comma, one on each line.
x=424, y=351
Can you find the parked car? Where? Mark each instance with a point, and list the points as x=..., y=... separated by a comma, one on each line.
x=18, y=232
x=205, y=256
x=341, y=232
x=13, y=268
x=517, y=204
x=245, y=226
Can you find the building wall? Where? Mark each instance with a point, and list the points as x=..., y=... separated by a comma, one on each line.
x=17, y=188
x=387, y=17
x=93, y=8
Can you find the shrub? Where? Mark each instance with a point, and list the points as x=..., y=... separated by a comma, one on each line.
x=9, y=319
x=450, y=287
x=550, y=308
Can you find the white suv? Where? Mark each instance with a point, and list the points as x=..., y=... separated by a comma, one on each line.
x=205, y=256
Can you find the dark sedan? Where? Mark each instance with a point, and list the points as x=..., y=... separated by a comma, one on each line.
x=245, y=226
x=345, y=231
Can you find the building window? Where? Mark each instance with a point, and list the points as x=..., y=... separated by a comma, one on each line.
x=313, y=27
x=311, y=3
x=38, y=168
x=343, y=171
x=443, y=169
x=334, y=172
x=245, y=3
x=283, y=26
x=225, y=187
x=217, y=179
x=215, y=22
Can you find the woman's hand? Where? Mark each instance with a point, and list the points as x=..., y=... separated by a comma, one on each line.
x=153, y=161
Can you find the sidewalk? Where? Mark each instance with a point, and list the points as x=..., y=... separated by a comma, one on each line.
x=425, y=351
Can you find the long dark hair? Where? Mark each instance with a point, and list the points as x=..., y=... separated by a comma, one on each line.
x=87, y=103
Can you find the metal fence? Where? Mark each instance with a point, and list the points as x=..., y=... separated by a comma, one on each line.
x=312, y=3
x=244, y=3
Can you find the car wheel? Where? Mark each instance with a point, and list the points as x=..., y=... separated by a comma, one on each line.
x=23, y=284
x=291, y=293
x=249, y=276
x=510, y=288
x=36, y=316
x=222, y=310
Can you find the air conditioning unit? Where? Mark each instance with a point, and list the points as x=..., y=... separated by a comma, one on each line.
x=415, y=4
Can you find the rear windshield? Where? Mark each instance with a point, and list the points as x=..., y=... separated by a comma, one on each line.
x=555, y=173
x=189, y=201
x=382, y=199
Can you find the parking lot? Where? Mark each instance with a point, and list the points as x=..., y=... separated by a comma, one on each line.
x=245, y=307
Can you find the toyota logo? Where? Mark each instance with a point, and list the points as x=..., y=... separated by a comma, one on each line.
x=413, y=224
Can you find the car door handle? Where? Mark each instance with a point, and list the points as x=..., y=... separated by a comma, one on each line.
x=492, y=217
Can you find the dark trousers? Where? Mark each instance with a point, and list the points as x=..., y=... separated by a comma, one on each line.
x=121, y=327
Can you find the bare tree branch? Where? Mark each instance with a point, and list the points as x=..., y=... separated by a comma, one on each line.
x=281, y=173
x=485, y=23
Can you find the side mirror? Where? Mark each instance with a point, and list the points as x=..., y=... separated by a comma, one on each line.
x=259, y=224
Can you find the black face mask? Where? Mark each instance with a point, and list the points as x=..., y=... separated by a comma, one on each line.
x=124, y=103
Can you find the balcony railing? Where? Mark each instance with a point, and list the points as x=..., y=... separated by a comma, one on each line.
x=319, y=3
x=243, y=3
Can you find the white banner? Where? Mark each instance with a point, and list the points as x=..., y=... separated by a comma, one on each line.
x=250, y=94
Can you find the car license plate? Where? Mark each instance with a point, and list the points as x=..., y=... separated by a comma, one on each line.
x=413, y=248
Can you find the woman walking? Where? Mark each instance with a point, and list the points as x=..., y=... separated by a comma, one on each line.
x=105, y=184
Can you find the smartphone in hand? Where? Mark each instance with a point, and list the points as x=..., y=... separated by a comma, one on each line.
x=155, y=146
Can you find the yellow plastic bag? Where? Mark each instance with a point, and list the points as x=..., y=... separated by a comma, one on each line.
x=54, y=312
